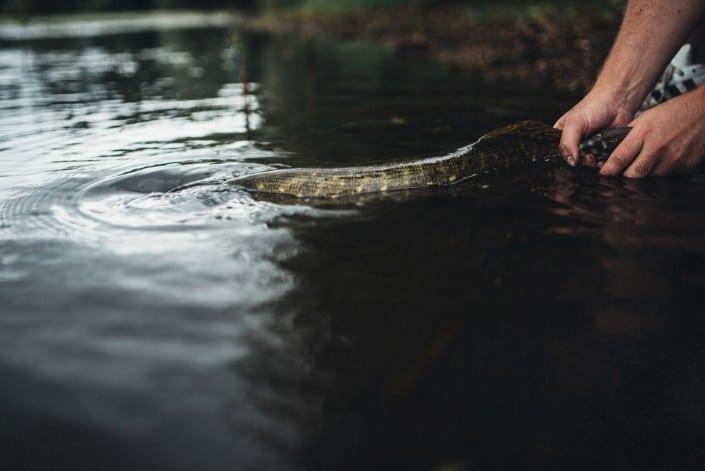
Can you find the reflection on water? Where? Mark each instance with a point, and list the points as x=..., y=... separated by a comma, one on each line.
x=155, y=318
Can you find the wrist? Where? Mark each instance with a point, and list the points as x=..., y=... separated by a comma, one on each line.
x=625, y=80
x=622, y=96
x=695, y=104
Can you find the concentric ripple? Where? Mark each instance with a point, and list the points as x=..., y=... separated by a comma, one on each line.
x=149, y=198
x=100, y=144
x=168, y=197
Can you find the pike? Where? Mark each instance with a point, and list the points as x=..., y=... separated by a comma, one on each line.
x=526, y=141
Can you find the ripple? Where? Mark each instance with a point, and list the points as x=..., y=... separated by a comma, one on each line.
x=172, y=197
x=143, y=198
x=86, y=209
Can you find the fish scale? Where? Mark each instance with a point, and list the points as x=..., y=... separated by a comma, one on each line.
x=527, y=141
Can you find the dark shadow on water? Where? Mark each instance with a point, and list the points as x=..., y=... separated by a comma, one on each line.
x=456, y=344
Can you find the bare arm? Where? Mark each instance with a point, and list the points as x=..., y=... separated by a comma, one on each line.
x=652, y=31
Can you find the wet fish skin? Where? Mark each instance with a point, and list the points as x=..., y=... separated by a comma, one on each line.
x=601, y=144
x=520, y=143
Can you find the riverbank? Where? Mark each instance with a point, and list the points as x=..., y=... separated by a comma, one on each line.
x=561, y=44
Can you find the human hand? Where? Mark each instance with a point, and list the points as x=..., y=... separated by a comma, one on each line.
x=669, y=138
x=598, y=110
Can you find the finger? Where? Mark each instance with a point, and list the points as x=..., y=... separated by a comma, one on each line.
x=623, y=155
x=643, y=164
x=663, y=168
x=559, y=123
x=573, y=131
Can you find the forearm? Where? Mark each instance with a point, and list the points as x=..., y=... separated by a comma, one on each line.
x=651, y=33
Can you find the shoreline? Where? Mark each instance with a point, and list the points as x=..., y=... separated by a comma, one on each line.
x=559, y=45
x=562, y=48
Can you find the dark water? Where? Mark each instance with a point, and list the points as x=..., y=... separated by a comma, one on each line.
x=534, y=319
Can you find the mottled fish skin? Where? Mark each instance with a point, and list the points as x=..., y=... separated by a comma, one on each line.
x=601, y=144
x=523, y=142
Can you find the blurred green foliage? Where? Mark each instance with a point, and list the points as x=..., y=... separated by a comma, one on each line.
x=30, y=7
x=346, y=5
x=340, y=4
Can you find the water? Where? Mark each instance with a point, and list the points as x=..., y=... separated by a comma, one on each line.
x=527, y=320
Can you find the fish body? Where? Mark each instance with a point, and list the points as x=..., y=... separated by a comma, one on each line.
x=523, y=142
x=601, y=144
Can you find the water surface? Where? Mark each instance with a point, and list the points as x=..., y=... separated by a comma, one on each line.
x=533, y=319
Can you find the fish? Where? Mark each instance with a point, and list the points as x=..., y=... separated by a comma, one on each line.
x=516, y=144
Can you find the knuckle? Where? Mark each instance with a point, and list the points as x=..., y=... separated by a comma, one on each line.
x=641, y=169
x=568, y=125
x=620, y=159
x=574, y=121
x=636, y=173
x=631, y=140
